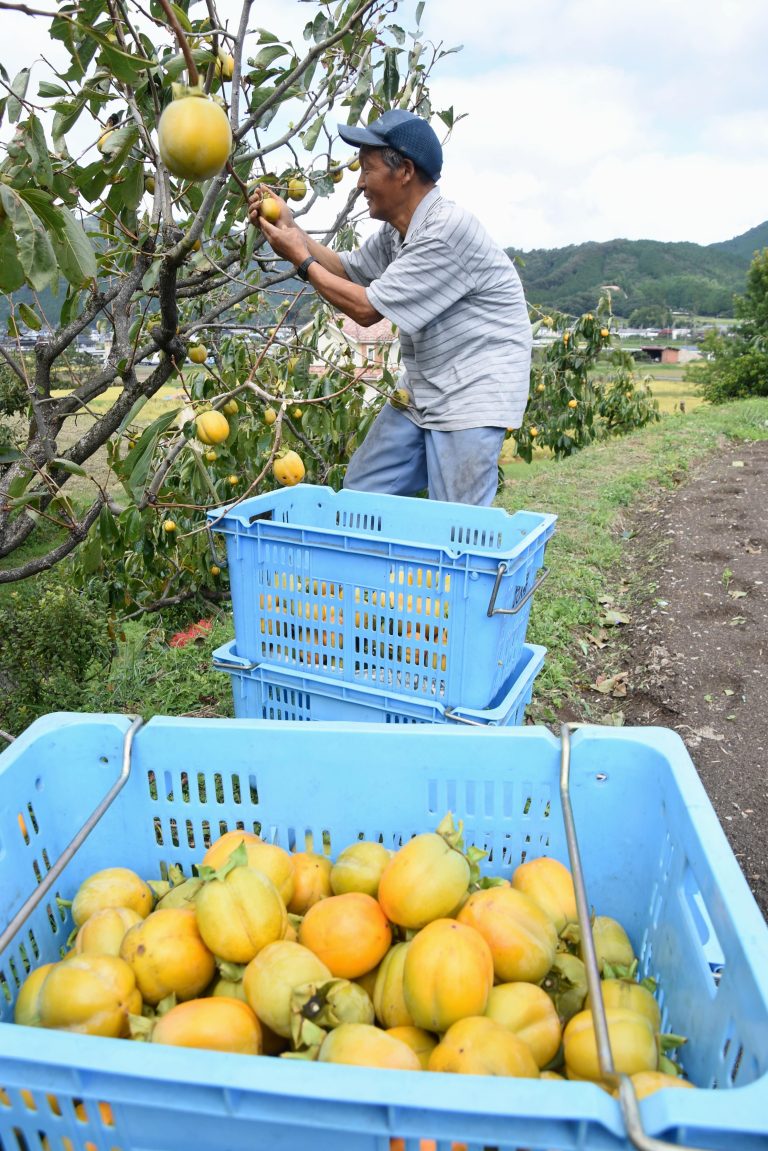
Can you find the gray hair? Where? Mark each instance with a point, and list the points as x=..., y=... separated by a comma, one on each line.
x=394, y=160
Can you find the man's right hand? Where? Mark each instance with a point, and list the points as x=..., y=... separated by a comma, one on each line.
x=254, y=205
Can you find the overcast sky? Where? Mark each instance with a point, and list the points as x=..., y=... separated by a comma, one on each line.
x=585, y=119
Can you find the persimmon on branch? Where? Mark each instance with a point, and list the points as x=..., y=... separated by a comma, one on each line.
x=152, y=259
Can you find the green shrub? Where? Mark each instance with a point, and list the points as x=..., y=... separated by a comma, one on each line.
x=53, y=642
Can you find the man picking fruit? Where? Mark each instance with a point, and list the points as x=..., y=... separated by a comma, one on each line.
x=456, y=298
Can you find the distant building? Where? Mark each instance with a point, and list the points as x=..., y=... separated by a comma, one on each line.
x=373, y=348
x=661, y=354
x=377, y=344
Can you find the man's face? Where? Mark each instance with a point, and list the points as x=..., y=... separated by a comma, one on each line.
x=381, y=187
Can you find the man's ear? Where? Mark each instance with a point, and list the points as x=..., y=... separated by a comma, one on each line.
x=408, y=169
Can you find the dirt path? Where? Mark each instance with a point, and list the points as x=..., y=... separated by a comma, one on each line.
x=694, y=586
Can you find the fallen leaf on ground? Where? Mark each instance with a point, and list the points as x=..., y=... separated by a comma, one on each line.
x=614, y=685
x=613, y=618
x=708, y=733
x=737, y=594
x=615, y=719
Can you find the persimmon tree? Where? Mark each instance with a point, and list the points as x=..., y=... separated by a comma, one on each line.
x=102, y=227
x=584, y=387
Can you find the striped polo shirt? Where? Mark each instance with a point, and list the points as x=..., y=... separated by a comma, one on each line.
x=457, y=300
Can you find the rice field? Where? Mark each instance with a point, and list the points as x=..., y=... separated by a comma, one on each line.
x=669, y=387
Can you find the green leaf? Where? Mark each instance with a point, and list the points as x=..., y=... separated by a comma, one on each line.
x=19, y=90
x=37, y=150
x=150, y=276
x=30, y=317
x=68, y=466
x=116, y=143
x=11, y=271
x=123, y=65
x=33, y=246
x=182, y=17
x=42, y=205
x=133, y=525
x=133, y=185
x=25, y=500
x=107, y=527
x=391, y=73
x=74, y=251
x=93, y=180
x=67, y=115
x=89, y=555
x=175, y=65
x=268, y=55
x=139, y=459
x=309, y=138
x=50, y=91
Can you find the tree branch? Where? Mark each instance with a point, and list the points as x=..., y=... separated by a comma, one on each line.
x=45, y=562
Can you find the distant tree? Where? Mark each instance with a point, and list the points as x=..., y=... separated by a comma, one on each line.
x=738, y=363
x=650, y=316
x=583, y=387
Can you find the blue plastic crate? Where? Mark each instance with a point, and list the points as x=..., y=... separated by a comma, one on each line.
x=420, y=597
x=653, y=854
x=261, y=691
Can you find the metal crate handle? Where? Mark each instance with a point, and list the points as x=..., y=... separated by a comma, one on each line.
x=230, y=665
x=51, y=876
x=630, y=1109
x=220, y=561
x=493, y=610
x=454, y=718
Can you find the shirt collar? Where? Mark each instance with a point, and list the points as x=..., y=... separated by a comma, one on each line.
x=422, y=211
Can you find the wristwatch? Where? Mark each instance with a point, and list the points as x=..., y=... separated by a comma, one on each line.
x=303, y=268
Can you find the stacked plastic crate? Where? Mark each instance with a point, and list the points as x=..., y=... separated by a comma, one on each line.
x=353, y=606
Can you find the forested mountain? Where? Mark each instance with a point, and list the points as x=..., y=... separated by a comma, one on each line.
x=677, y=276
x=747, y=244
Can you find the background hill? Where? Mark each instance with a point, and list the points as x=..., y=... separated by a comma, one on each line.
x=697, y=278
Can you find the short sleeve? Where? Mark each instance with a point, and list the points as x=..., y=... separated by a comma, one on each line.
x=423, y=282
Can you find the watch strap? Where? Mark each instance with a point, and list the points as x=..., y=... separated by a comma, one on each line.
x=303, y=268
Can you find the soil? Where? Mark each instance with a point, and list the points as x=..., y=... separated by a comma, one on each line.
x=688, y=642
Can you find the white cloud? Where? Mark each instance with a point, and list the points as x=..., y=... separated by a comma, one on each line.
x=588, y=119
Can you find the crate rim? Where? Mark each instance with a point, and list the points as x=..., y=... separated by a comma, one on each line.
x=495, y=1098
x=534, y=655
x=215, y=517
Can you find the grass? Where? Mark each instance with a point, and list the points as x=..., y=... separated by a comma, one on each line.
x=148, y=677
x=591, y=493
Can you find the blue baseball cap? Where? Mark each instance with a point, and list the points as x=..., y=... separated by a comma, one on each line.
x=404, y=131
